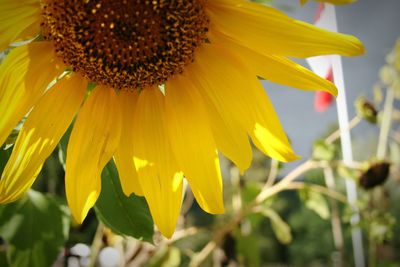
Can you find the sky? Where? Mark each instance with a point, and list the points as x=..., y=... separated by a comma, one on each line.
x=375, y=22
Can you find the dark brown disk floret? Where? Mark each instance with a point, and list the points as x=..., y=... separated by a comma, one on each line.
x=125, y=43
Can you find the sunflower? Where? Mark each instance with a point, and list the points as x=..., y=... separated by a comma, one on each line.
x=176, y=83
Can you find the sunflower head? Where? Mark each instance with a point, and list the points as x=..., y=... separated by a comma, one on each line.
x=125, y=44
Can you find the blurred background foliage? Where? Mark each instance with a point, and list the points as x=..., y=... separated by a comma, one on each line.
x=274, y=217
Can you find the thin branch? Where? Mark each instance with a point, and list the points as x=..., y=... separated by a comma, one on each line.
x=198, y=258
x=320, y=189
x=336, y=134
x=385, y=124
x=273, y=173
x=267, y=192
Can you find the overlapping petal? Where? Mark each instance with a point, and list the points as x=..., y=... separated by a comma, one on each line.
x=231, y=139
x=269, y=31
x=24, y=76
x=227, y=83
x=40, y=134
x=125, y=152
x=193, y=143
x=19, y=20
x=159, y=175
x=277, y=69
x=93, y=142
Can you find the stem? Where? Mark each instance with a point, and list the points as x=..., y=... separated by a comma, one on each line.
x=187, y=202
x=336, y=134
x=320, y=189
x=202, y=255
x=385, y=124
x=236, y=196
x=96, y=244
x=335, y=218
x=273, y=173
x=267, y=192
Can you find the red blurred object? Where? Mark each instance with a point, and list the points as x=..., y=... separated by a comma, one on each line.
x=323, y=100
x=322, y=65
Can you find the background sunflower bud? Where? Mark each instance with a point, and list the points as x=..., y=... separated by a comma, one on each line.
x=375, y=175
x=366, y=110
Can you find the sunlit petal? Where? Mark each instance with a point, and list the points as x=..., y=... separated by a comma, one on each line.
x=155, y=163
x=93, y=141
x=193, y=143
x=40, y=134
x=24, y=76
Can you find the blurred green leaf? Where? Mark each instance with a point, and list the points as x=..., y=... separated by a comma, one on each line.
x=387, y=75
x=3, y=258
x=248, y=248
x=166, y=257
x=124, y=215
x=347, y=172
x=250, y=191
x=378, y=96
x=315, y=202
x=63, y=146
x=323, y=151
x=280, y=227
x=394, y=150
x=4, y=156
x=35, y=229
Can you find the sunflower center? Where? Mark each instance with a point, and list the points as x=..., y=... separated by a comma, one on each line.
x=125, y=43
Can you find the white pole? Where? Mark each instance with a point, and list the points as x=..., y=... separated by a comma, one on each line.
x=346, y=147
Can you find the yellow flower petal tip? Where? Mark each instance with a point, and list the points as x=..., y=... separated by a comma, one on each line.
x=79, y=211
x=359, y=48
x=331, y=88
x=220, y=209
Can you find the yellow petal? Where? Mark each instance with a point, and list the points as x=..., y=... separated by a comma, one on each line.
x=230, y=85
x=230, y=137
x=93, y=141
x=24, y=76
x=19, y=20
x=124, y=155
x=277, y=69
x=269, y=31
x=335, y=2
x=154, y=160
x=40, y=134
x=193, y=143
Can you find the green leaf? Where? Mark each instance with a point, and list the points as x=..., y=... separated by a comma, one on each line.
x=124, y=215
x=166, y=257
x=280, y=227
x=3, y=258
x=248, y=246
x=35, y=229
x=250, y=191
x=323, y=150
x=4, y=156
x=62, y=146
x=315, y=202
